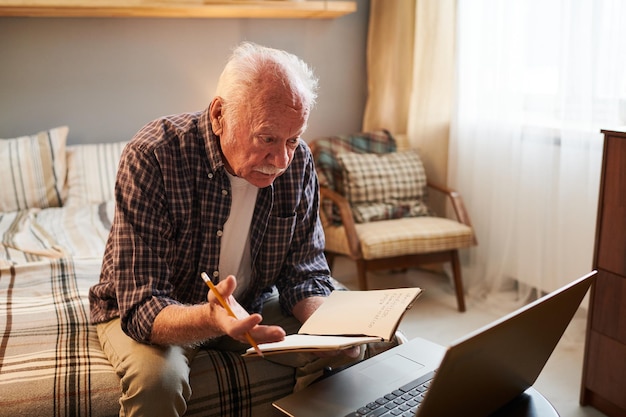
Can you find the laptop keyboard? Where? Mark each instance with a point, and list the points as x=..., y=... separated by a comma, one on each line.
x=402, y=402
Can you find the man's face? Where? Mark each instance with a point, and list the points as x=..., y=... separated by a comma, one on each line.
x=260, y=146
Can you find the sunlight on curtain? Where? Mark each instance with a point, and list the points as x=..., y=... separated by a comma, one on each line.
x=536, y=81
x=410, y=67
x=389, y=65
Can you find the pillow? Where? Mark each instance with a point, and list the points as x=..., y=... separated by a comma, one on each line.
x=325, y=151
x=91, y=172
x=386, y=186
x=33, y=170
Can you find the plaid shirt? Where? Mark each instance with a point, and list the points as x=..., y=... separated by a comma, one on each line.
x=172, y=200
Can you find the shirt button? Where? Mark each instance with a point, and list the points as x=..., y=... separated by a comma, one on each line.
x=220, y=233
x=210, y=176
x=224, y=192
x=216, y=274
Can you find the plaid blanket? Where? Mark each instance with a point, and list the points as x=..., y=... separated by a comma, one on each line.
x=51, y=363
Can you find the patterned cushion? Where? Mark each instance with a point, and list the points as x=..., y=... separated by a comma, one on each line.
x=326, y=149
x=387, y=186
x=405, y=236
x=33, y=170
x=91, y=172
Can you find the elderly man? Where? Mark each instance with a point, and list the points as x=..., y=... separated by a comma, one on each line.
x=231, y=191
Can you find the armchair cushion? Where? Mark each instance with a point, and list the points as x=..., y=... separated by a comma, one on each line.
x=411, y=235
x=383, y=186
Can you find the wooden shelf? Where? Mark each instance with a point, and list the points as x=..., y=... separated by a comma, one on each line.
x=285, y=9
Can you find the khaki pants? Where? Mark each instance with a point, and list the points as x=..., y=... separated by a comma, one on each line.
x=155, y=379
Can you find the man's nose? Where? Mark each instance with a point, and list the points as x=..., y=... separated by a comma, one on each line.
x=280, y=157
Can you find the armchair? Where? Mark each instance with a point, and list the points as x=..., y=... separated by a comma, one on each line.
x=373, y=208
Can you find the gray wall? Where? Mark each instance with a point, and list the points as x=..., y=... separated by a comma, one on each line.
x=106, y=77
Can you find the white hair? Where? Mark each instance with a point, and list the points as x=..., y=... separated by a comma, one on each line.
x=249, y=62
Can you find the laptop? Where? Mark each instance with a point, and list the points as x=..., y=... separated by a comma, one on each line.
x=475, y=376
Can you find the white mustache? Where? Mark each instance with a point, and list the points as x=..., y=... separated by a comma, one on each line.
x=269, y=170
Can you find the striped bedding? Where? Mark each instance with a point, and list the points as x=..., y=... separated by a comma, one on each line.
x=51, y=363
x=33, y=235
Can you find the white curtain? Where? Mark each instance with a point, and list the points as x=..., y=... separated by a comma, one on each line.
x=536, y=82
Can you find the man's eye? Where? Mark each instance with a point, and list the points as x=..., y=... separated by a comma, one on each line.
x=293, y=142
x=267, y=139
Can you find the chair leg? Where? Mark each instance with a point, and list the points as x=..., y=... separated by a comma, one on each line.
x=458, y=281
x=362, y=274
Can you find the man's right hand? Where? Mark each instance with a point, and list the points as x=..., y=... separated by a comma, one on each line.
x=190, y=325
x=244, y=323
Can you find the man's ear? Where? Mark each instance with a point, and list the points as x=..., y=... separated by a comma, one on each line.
x=215, y=114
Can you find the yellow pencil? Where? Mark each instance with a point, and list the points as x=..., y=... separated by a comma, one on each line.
x=224, y=304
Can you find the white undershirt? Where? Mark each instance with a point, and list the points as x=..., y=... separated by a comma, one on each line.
x=235, y=257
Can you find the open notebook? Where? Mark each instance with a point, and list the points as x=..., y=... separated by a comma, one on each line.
x=348, y=318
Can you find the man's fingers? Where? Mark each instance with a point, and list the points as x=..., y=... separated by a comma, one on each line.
x=267, y=334
x=260, y=333
x=237, y=327
x=227, y=286
x=352, y=352
x=246, y=324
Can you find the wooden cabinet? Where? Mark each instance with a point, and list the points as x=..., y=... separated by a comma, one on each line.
x=604, y=368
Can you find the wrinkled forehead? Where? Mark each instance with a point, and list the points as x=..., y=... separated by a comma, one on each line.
x=275, y=100
x=275, y=85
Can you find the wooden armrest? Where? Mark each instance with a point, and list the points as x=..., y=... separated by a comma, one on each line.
x=345, y=212
x=457, y=203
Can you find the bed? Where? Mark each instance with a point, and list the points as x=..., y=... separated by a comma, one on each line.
x=56, y=210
